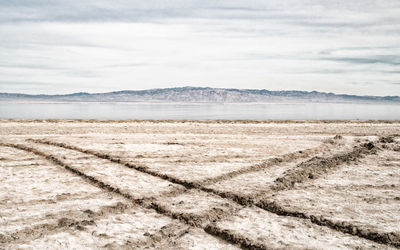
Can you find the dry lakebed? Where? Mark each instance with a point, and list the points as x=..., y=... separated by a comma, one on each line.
x=199, y=185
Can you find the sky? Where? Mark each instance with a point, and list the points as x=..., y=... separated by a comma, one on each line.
x=68, y=46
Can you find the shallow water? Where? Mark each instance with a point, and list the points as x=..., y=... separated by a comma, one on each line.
x=158, y=111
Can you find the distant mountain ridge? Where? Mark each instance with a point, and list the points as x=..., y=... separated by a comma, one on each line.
x=201, y=95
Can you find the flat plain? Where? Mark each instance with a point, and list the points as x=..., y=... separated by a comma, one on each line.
x=199, y=185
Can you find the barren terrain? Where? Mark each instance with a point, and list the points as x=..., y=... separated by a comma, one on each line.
x=199, y=185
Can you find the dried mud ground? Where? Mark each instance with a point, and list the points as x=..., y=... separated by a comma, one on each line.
x=199, y=185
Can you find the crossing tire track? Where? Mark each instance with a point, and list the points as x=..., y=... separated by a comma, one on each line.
x=286, y=158
x=189, y=219
x=357, y=152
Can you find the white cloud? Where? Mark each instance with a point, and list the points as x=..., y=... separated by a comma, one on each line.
x=95, y=46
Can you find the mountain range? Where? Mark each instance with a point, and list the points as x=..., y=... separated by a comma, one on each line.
x=201, y=95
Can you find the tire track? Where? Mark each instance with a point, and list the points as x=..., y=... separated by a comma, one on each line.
x=286, y=158
x=63, y=223
x=162, y=238
x=31, y=233
x=243, y=242
x=189, y=219
x=392, y=238
x=141, y=168
x=288, y=181
x=53, y=200
x=317, y=166
x=190, y=184
x=75, y=171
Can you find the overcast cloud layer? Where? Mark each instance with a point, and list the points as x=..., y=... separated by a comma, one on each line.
x=97, y=46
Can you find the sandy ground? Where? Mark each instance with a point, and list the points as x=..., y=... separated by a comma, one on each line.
x=199, y=185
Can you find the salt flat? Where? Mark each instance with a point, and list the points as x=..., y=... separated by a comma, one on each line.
x=199, y=185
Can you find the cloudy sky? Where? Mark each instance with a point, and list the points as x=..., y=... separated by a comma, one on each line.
x=97, y=46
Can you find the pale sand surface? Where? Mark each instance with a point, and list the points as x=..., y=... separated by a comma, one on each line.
x=199, y=185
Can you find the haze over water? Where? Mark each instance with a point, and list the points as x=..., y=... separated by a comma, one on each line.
x=162, y=111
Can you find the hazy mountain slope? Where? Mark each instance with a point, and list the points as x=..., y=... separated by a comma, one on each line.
x=197, y=94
